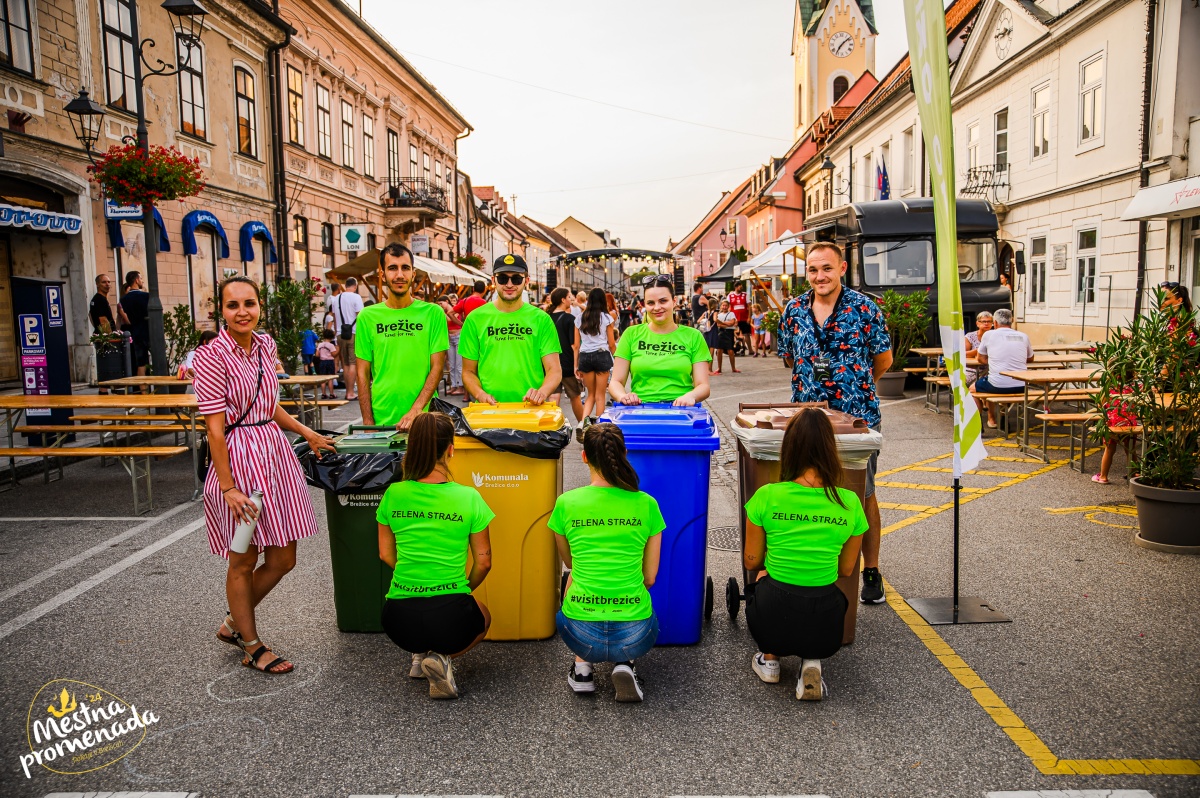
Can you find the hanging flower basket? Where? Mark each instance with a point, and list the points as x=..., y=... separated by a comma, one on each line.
x=130, y=175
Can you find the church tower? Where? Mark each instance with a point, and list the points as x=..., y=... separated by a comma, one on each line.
x=833, y=44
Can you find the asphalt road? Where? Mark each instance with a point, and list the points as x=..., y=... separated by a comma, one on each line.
x=1098, y=665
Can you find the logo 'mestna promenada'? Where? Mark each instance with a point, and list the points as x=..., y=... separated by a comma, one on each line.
x=75, y=727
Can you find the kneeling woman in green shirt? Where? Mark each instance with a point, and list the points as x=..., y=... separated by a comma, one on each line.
x=661, y=361
x=806, y=531
x=608, y=533
x=426, y=524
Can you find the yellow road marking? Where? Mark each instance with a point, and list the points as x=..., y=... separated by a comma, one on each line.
x=1090, y=513
x=1025, y=738
x=912, y=508
x=922, y=486
x=975, y=473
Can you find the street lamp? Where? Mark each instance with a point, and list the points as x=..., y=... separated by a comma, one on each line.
x=187, y=20
x=827, y=167
x=450, y=241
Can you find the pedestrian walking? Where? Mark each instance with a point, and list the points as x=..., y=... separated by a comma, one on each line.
x=757, y=323
x=609, y=534
x=660, y=361
x=564, y=324
x=308, y=347
x=835, y=340
x=724, y=340
x=739, y=306
x=699, y=303
x=453, y=358
x=237, y=392
x=510, y=348
x=427, y=524
x=328, y=360
x=802, y=533
x=400, y=346
x=346, y=304
x=595, y=341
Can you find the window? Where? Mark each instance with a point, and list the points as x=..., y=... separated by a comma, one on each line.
x=327, y=238
x=908, y=170
x=841, y=85
x=300, y=245
x=295, y=105
x=246, y=113
x=1085, y=267
x=1091, y=99
x=1041, y=120
x=16, y=36
x=347, y=134
x=449, y=179
x=437, y=173
x=1002, y=142
x=118, y=52
x=425, y=166
x=368, y=145
x=972, y=146
x=191, y=88
x=977, y=260
x=393, y=156
x=324, y=124
x=1037, y=271
x=895, y=263
x=412, y=160
x=799, y=105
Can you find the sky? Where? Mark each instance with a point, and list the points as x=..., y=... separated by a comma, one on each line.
x=630, y=115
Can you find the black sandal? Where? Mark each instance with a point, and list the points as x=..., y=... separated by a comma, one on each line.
x=252, y=663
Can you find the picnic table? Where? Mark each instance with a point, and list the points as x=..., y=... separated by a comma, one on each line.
x=1045, y=386
x=294, y=386
x=935, y=371
x=182, y=405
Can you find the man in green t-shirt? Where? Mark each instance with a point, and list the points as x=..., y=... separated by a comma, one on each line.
x=400, y=346
x=510, y=348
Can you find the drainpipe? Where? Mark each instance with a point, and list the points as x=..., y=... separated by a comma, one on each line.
x=274, y=73
x=1144, y=173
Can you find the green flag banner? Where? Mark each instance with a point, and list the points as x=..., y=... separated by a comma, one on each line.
x=926, y=23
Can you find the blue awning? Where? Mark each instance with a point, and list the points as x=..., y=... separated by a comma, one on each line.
x=116, y=239
x=197, y=219
x=251, y=230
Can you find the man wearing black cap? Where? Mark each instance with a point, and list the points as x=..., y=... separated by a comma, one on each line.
x=510, y=348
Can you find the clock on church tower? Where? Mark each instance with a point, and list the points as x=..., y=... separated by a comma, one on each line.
x=833, y=44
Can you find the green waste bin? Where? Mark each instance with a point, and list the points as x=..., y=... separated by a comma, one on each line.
x=360, y=471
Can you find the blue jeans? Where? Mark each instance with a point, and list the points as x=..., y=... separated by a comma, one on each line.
x=608, y=641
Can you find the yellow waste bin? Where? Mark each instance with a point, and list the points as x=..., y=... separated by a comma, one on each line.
x=521, y=591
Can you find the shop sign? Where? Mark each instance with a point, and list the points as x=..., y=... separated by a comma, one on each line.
x=419, y=245
x=114, y=211
x=354, y=237
x=34, y=367
x=14, y=216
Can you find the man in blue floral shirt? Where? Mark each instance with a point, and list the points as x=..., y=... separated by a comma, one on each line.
x=835, y=341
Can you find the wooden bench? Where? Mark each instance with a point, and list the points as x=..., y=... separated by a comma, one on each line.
x=933, y=392
x=135, y=459
x=1070, y=420
x=316, y=407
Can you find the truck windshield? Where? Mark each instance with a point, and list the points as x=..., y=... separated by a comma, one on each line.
x=890, y=263
x=977, y=260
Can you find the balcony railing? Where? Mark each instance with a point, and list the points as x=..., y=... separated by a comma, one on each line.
x=984, y=179
x=415, y=192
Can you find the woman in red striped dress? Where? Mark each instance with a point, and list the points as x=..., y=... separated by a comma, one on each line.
x=238, y=392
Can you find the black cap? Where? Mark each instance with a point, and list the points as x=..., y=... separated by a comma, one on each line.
x=510, y=263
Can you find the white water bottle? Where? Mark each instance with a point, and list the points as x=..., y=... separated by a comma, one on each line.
x=244, y=533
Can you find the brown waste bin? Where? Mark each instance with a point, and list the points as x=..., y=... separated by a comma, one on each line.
x=754, y=472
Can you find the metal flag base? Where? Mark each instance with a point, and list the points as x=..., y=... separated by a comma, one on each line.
x=956, y=609
x=971, y=609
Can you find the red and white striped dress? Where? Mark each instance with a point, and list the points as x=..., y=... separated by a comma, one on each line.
x=260, y=457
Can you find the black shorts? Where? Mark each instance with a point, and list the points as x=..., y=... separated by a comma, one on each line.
x=744, y=327
x=326, y=367
x=593, y=362
x=140, y=353
x=725, y=339
x=793, y=621
x=444, y=624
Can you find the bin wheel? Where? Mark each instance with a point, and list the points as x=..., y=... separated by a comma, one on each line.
x=733, y=598
x=708, y=599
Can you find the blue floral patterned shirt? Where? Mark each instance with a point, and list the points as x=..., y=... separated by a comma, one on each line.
x=852, y=335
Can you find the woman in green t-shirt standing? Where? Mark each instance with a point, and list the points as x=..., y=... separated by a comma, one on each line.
x=661, y=361
x=426, y=525
x=804, y=532
x=608, y=533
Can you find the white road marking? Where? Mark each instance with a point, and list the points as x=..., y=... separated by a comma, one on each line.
x=901, y=401
x=138, y=794
x=309, y=674
x=1070, y=794
x=26, y=618
x=71, y=562
x=785, y=388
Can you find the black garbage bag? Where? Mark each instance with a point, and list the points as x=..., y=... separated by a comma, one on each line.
x=537, y=445
x=341, y=472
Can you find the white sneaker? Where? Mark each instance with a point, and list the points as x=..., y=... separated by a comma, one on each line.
x=440, y=673
x=415, y=671
x=625, y=681
x=767, y=669
x=810, y=686
x=580, y=683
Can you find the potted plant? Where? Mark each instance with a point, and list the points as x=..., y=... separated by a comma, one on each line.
x=287, y=312
x=907, y=319
x=130, y=175
x=1153, y=366
x=112, y=362
x=182, y=336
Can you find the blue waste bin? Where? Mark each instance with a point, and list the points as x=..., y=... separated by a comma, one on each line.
x=671, y=449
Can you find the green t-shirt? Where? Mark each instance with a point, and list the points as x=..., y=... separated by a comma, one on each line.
x=607, y=529
x=398, y=345
x=660, y=366
x=509, y=348
x=432, y=524
x=805, y=530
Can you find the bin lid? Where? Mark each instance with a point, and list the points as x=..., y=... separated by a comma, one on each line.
x=654, y=426
x=514, y=415
x=375, y=441
x=777, y=417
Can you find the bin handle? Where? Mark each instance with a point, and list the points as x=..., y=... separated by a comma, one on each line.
x=369, y=428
